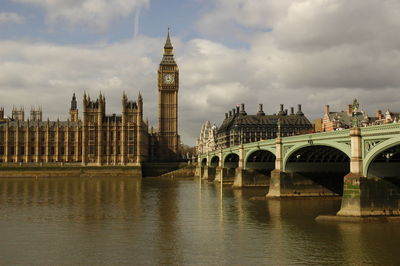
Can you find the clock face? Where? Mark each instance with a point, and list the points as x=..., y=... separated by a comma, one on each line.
x=168, y=78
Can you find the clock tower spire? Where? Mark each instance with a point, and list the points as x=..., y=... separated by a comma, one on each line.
x=168, y=86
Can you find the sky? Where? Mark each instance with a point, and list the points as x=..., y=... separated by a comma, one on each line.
x=309, y=52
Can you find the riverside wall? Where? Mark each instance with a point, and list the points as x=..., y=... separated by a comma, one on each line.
x=69, y=171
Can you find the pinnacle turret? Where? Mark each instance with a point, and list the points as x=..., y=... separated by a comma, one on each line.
x=74, y=104
x=168, y=48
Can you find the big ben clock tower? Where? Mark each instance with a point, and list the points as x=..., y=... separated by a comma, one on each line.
x=168, y=85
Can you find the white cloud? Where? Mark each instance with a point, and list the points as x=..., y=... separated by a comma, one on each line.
x=97, y=14
x=301, y=51
x=8, y=17
x=311, y=52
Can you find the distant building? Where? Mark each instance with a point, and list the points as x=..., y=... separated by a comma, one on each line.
x=387, y=118
x=354, y=115
x=207, y=140
x=239, y=127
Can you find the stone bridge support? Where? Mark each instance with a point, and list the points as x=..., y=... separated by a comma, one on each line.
x=219, y=170
x=206, y=168
x=366, y=196
x=240, y=171
x=277, y=175
x=351, y=200
x=199, y=169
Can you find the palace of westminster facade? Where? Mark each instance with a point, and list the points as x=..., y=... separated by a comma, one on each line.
x=97, y=138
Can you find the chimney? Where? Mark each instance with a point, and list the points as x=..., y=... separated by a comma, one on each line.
x=286, y=111
x=226, y=115
x=299, y=112
x=237, y=109
x=281, y=111
x=379, y=114
x=327, y=109
x=260, y=110
x=233, y=112
x=230, y=113
x=350, y=109
x=291, y=110
x=242, y=111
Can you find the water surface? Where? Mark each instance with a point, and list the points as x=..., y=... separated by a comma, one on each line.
x=182, y=221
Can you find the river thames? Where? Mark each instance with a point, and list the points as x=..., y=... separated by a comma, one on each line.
x=177, y=221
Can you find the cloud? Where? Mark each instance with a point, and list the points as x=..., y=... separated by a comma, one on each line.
x=319, y=44
x=47, y=74
x=8, y=17
x=297, y=51
x=96, y=14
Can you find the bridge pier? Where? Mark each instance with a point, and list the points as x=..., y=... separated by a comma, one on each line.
x=366, y=196
x=293, y=184
x=250, y=178
x=209, y=173
x=218, y=174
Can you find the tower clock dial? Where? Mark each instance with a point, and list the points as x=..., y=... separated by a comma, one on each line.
x=168, y=78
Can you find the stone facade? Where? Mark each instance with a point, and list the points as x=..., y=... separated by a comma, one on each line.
x=207, y=140
x=238, y=127
x=98, y=138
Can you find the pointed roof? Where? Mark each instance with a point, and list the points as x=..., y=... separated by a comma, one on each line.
x=168, y=44
x=168, y=57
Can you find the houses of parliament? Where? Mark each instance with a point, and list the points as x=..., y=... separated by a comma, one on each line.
x=98, y=138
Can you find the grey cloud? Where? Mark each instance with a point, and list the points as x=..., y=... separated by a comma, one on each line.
x=10, y=17
x=318, y=52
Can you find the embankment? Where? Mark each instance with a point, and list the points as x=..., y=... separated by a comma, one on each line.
x=70, y=171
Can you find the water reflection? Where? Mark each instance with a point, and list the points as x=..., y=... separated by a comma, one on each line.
x=162, y=221
x=88, y=200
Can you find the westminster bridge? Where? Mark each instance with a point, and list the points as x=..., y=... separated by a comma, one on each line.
x=360, y=164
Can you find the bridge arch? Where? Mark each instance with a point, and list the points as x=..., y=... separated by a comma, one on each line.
x=204, y=162
x=376, y=151
x=231, y=160
x=346, y=149
x=259, y=159
x=324, y=165
x=214, y=162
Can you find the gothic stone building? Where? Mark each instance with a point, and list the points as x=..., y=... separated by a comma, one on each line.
x=239, y=127
x=98, y=138
x=207, y=141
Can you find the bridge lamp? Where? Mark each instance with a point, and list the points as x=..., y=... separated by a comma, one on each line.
x=389, y=155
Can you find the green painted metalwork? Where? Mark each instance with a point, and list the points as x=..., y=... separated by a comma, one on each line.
x=375, y=139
